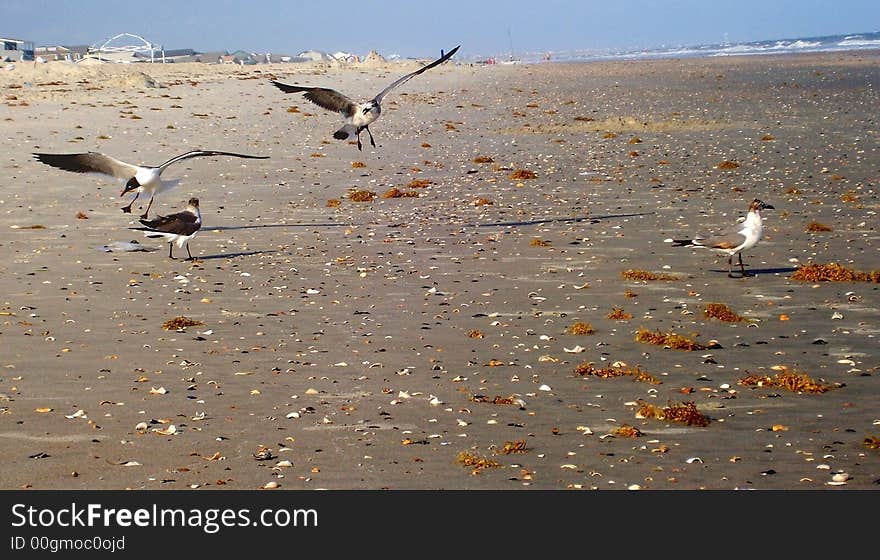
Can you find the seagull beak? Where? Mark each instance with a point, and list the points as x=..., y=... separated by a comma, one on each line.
x=131, y=185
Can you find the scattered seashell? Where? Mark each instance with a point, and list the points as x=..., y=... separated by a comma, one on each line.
x=841, y=477
x=633, y=487
x=693, y=460
x=78, y=414
x=141, y=427
x=544, y=388
x=271, y=485
x=576, y=350
x=159, y=391
x=837, y=315
x=169, y=431
x=283, y=464
x=568, y=466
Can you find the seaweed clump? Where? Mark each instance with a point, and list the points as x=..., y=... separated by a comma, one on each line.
x=520, y=174
x=817, y=226
x=397, y=193
x=794, y=381
x=478, y=463
x=721, y=312
x=362, y=196
x=587, y=369
x=627, y=431
x=180, y=323
x=646, y=276
x=580, y=328
x=518, y=446
x=668, y=340
x=833, y=272
x=683, y=413
x=619, y=314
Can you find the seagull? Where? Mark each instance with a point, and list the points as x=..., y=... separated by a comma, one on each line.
x=734, y=241
x=358, y=116
x=175, y=228
x=139, y=178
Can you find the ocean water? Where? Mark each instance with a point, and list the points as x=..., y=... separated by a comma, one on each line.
x=830, y=43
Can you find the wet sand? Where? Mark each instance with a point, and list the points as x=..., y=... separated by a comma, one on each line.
x=424, y=341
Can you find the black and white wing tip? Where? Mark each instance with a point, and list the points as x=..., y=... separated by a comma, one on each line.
x=402, y=79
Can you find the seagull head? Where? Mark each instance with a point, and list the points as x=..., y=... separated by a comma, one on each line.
x=760, y=205
x=131, y=185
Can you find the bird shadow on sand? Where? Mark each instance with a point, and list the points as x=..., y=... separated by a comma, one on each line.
x=233, y=255
x=758, y=271
x=591, y=219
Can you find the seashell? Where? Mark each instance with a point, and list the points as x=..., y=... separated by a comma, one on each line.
x=461, y=422
x=283, y=464
x=576, y=350
x=693, y=460
x=633, y=487
x=141, y=427
x=78, y=414
x=271, y=485
x=585, y=429
x=841, y=477
x=837, y=315
x=568, y=466
x=544, y=388
x=169, y=431
x=311, y=391
x=159, y=391
x=403, y=395
x=435, y=401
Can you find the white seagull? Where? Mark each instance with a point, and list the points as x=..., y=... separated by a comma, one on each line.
x=358, y=116
x=176, y=228
x=734, y=241
x=138, y=178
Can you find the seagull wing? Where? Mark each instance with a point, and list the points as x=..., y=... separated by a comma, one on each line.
x=181, y=223
x=203, y=153
x=327, y=98
x=90, y=162
x=730, y=240
x=399, y=81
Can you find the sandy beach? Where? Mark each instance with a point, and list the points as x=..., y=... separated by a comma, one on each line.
x=476, y=328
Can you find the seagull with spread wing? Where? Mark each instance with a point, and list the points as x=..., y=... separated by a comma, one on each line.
x=358, y=116
x=138, y=178
x=176, y=228
x=733, y=242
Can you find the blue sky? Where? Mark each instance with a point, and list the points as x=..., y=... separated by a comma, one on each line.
x=417, y=29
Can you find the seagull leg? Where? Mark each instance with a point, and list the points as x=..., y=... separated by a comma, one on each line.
x=730, y=267
x=372, y=142
x=188, y=253
x=170, y=250
x=741, y=267
x=144, y=215
x=358, y=133
x=127, y=209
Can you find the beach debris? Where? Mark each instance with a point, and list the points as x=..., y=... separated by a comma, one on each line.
x=670, y=340
x=727, y=164
x=518, y=446
x=683, y=413
x=795, y=381
x=180, y=323
x=833, y=272
x=357, y=164
x=538, y=242
x=721, y=312
x=263, y=453
x=333, y=202
x=418, y=183
x=82, y=216
x=483, y=159
x=626, y=431
x=871, y=442
x=646, y=276
x=587, y=369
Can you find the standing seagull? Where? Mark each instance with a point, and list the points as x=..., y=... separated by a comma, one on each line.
x=358, y=116
x=139, y=178
x=175, y=228
x=733, y=242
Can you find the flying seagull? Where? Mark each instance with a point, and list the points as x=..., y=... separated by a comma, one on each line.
x=176, y=228
x=358, y=116
x=734, y=241
x=138, y=178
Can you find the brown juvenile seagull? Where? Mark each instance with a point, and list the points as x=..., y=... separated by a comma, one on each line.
x=358, y=116
x=138, y=178
x=734, y=241
x=175, y=228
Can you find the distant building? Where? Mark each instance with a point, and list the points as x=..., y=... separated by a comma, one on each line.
x=314, y=56
x=73, y=53
x=13, y=50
